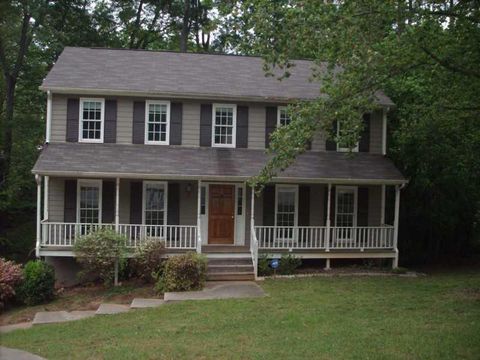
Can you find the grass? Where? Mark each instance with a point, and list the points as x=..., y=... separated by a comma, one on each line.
x=79, y=298
x=433, y=317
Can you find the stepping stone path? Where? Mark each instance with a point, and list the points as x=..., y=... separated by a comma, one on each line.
x=110, y=309
x=146, y=303
x=213, y=290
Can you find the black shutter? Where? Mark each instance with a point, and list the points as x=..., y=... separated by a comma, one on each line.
x=362, y=212
x=331, y=145
x=206, y=125
x=269, y=206
x=108, y=201
x=136, y=189
x=304, y=205
x=364, y=143
x=176, y=114
x=110, y=131
x=332, y=206
x=72, y=120
x=270, y=123
x=70, y=201
x=138, y=131
x=242, y=127
x=173, y=211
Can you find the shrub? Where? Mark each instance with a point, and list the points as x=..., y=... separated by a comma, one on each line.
x=400, y=270
x=39, y=283
x=10, y=276
x=264, y=268
x=98, y=252
x=287, y=265
x=183, y=273
x=148, y=260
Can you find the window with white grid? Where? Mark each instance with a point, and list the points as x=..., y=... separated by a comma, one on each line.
x=224, y=125
x=286, y=207
x=89, y=202
x=346, y=204
x=91, y=120
x=157, y=122
x=154, y=203
x=283, y=117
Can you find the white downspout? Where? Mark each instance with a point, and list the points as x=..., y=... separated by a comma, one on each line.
x=38, y=180
x=46, y=185
x=48, y=125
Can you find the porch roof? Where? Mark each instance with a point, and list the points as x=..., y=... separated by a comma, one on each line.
x=205, y=163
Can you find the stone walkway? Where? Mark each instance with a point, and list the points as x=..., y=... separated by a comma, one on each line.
x=14, y=354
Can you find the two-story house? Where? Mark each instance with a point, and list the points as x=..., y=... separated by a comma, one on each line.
x=160, y=145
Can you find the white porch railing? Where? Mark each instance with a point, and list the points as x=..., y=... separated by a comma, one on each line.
x=58, y=234
x=315, y=237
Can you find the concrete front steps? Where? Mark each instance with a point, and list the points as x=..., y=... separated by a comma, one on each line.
x=229, y=263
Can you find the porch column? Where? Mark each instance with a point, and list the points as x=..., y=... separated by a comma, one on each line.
x=117, y=204
x=38, y=180
x=395, y=225
x=328, y=222
x=252, y=215
x=45, y=197
x=199, y=217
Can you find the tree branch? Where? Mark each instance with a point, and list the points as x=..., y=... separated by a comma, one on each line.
x=447, y=65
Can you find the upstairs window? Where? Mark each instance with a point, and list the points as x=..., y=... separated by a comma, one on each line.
x=157, y=122
x=283, y=118
x=224, y=125
x=343, y=146
x=91, y=120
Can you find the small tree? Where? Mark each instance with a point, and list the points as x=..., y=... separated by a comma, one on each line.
x=100, y=252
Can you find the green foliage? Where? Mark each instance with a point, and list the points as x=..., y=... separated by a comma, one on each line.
x=148, y=260
x=400, y=270
x=287, y=265
x=10, y=277
x=98, y=252
x=38, y=285
x=184, y=272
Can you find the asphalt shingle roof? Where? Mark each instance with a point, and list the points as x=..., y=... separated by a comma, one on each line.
x=179, y=74
x=111, y=160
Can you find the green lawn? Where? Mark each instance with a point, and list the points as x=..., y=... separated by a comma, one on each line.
x=433, y=317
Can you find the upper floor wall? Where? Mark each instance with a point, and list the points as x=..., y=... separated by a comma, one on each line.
x=129, y=120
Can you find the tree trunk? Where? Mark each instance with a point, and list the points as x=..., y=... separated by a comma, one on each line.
x=185, y=27
x=10, y=83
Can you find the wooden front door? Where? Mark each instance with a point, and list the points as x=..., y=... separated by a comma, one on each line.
x=221, y=214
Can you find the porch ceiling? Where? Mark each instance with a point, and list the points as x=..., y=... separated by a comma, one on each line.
x=179, y=162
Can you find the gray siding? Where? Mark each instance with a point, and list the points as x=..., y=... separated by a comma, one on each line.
x=376, y=132
x=124, y=120
x=191, y=124
x=188, y=203
x=256, y=127
x=59, y=118
x=56, y=199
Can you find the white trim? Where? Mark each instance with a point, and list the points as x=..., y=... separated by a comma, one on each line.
x=165, y=205
x=48, y=126
x=353, y=189
x=234, y=125
x=289, y=188
x=110, y=175
x=90, y=182
x=279, y=110
x=342, y=149
x=167, y=135
x=80, y=120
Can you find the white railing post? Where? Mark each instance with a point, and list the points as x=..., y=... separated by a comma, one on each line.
x=38, y=180
x=395, y=225
x=328, y=223
x=199, y=217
